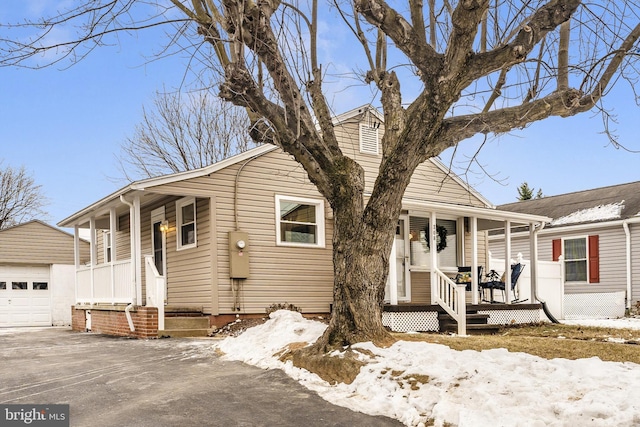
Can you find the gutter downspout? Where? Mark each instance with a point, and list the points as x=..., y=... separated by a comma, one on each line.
x=627, y=233
x=534, y=272
x=133, y=263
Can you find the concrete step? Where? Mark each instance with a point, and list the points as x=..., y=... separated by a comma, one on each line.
x=186, y=322
x=180, y=310
x=184, y=333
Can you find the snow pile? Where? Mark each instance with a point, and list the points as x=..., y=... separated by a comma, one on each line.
x=598, y=213
x=416, y=381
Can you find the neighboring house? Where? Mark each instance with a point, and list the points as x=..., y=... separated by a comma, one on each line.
x=230, y=239
x=37, y=274
x=596, y=234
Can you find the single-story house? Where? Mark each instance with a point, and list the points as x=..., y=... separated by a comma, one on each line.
x=596, y=235
x=37, y=274
x=235, y=237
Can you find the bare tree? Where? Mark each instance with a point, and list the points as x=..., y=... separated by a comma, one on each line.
x=20, y=198
x=458, y=82
x=184, y=132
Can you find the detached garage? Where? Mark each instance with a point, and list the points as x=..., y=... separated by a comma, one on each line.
x=37, y=272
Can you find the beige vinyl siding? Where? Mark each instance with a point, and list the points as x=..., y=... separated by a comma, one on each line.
x=123, y=238
x=429, y=182
x=189, y=270
x=37, y=243
x=300, y=276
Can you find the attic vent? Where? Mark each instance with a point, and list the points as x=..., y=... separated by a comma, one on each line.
x=368, y=139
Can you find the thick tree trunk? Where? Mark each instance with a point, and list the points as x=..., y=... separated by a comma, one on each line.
x=360, y=272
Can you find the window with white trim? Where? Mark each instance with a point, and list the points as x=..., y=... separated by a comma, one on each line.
x=575, y=259
x=369, y=139
x=186, y=223
x=299, y=221
x=107, y=246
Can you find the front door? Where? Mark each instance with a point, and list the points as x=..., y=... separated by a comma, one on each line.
x=158, y=243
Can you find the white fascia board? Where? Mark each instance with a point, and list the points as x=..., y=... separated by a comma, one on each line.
x=196, y=173
x=472, y=211
x=436, y=161
x=363, y=109
x=573, y=228
x=105, y=203
x=101, y=204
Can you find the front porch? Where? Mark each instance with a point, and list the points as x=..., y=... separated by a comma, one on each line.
x=435, y=242
x=428, y=318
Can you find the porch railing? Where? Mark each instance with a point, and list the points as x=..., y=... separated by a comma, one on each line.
x=156, y=289
x=451, y=297
x=107, y=283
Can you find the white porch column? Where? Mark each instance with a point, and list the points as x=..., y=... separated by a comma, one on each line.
x=393, y=275
x=533, y=250
x=112, y=242
x=94, y=253
x=138, y=250
x=434, y=254
x=473, y=229
x=134, y=243
x=76, y=259
x=507, y=261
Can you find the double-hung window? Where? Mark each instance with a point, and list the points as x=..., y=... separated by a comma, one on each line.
x=186, y=223
x=581, y=258
x=299, y=221
x=575, y=260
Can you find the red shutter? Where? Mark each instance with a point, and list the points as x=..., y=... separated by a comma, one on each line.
x=556, y=249
x=594, y=259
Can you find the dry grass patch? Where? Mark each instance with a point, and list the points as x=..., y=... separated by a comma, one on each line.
x=548, y=341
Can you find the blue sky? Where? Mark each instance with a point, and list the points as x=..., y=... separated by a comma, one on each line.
x=66, y=126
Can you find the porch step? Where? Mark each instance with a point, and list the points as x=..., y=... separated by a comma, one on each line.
x=476, y=324
x=175, y=310
x=179, y=323
x=184, y=333
x=186, y=322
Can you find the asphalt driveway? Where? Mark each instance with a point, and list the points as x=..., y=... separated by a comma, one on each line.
x=168, y=382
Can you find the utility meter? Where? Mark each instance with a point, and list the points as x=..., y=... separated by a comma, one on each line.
x=238, y=255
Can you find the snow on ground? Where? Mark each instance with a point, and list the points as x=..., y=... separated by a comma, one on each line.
x=416, y=381
x=626, y=322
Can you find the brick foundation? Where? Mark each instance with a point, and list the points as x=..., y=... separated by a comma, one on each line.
x=113, y=321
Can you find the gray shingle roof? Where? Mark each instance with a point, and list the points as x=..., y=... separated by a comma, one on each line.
x=600, y=204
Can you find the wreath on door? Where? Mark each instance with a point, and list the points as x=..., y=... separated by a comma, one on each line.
x=441, y=238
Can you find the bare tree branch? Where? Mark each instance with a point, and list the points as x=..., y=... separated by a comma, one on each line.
x=20, y=198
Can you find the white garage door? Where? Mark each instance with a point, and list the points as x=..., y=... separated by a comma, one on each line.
x=25, y=296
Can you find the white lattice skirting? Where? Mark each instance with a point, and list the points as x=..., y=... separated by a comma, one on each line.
x=604, y=305
x=422, y=321
x=427, y=321
x=511, y=317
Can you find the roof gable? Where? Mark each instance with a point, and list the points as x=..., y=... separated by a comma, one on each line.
x=36, y=242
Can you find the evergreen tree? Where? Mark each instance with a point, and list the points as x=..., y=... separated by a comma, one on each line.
x=526, y=193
